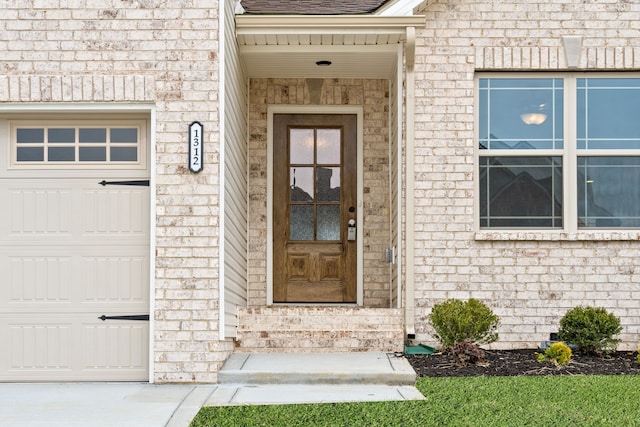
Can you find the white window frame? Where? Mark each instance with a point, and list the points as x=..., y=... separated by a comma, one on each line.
x=139, y=164
x=569, y=154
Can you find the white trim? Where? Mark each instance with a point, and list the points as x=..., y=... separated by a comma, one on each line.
x=325, y=24
x=222, y=94
x=76, y=107
x=410, y=191
x=152, y=234
x=399, y=259
x=316, y=109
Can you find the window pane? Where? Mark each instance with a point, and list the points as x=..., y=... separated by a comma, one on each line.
x=124, y=154
x=93, y=154
x=607, y=116
x=62, y=154
x=301, y=146
x=328, y=184
x=609, y=192
x=29, y=136
x=521, y=114
x=301, y=222
x=93, y=135
x=328, y=222
x=124, y=135
x=329, y=146
x=521, y=192
x=30, y=154
x=56, y=135
x=301, y=184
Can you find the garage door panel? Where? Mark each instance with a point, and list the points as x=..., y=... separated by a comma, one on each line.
x=108, y=211
x=81, y=210
x=119, y=279
x=116, y=344
x=40, y=346
x=120, y=282
x=73, y=348
x=36, y=212
x=43, y=279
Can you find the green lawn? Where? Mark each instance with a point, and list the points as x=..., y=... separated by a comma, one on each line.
x=477, y=401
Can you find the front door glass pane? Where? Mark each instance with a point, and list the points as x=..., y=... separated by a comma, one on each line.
x=328, y=222
x=301, y=146
x=301, y=184
x=328, y=146
x=328, y=184
x=301, y=222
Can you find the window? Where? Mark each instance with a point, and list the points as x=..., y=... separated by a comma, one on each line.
x=559, y=152
x=65, y=143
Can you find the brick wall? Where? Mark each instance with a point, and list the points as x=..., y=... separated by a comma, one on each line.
x=529, y=279
x=374, y=97
x=320, y=329
x=160, y=53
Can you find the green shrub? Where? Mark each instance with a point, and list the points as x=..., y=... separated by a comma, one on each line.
x=590, y=329
x=558, y=353
x=455, y=321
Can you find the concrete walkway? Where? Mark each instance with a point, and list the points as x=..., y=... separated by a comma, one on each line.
x=100, y=404
x=246, y=379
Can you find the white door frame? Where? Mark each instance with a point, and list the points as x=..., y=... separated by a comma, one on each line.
x=316, y=109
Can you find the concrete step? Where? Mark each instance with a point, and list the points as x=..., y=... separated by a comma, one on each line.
x=239, y=395
x=317, y=368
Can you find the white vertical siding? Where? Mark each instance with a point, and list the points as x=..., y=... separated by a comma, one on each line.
x=235, y=180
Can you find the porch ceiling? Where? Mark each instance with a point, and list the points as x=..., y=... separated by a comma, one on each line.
x=290, y=46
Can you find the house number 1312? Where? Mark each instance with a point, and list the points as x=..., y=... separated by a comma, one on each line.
x=195, y=147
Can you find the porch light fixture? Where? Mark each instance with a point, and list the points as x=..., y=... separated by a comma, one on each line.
x=323, y=63
x=535, y=115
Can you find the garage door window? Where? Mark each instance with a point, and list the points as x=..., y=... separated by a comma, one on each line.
x=64, y=144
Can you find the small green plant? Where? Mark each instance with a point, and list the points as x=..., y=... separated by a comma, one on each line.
x=557, y=353
x=455, y=321
x=638, y=356
x=590, y=329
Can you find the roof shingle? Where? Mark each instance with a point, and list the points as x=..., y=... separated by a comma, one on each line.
x=311, y=7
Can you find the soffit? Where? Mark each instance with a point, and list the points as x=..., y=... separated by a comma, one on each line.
x=289, y=46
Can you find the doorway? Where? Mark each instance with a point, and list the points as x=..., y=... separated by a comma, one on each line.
x=315, y=208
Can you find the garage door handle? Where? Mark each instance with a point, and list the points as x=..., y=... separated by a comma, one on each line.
x=141, y=183
x=130, y=317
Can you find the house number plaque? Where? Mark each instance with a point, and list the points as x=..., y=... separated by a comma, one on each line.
x=195, y=147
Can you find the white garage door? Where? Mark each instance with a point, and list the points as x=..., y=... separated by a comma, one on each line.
x=74, y=268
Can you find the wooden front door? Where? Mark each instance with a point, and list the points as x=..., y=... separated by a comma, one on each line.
x=314, y=208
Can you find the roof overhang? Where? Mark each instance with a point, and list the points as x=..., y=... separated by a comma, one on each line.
x=288, y=46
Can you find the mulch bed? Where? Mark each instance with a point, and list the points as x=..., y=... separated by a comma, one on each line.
x=523, y=362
